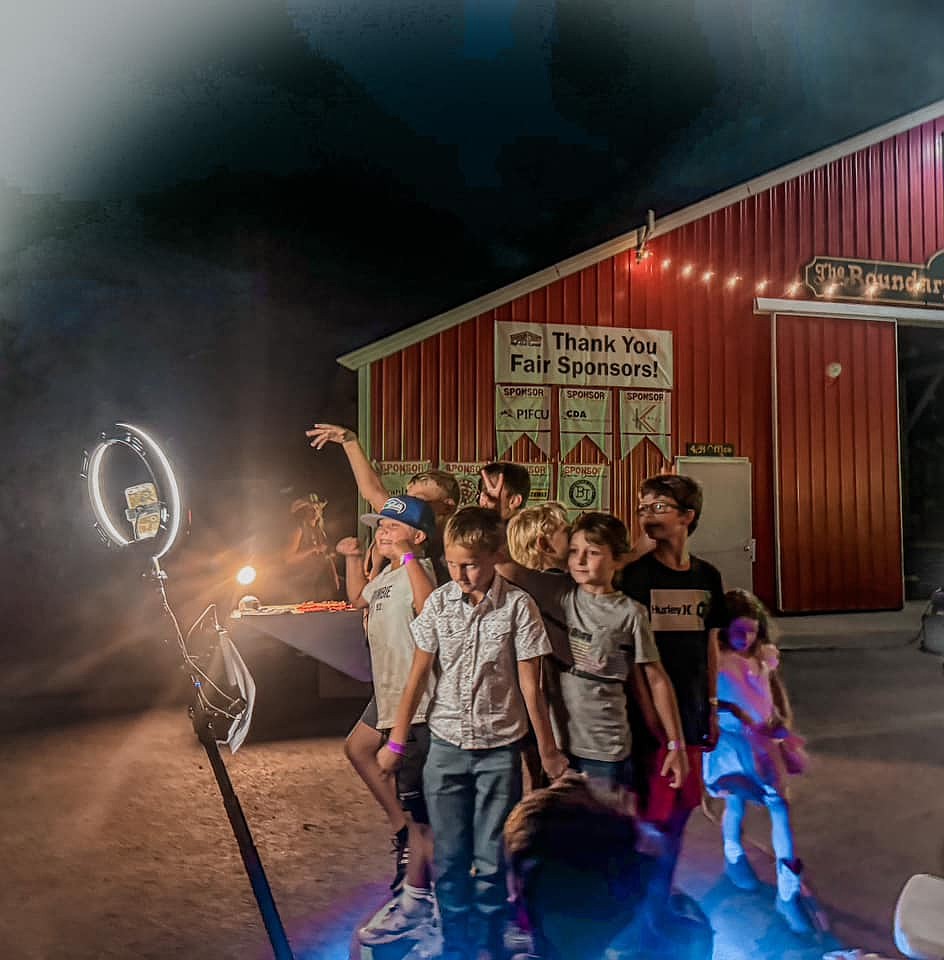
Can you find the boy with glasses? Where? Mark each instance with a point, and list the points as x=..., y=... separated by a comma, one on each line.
x=685, y=599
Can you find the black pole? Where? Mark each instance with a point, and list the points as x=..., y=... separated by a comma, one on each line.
x=203, y=726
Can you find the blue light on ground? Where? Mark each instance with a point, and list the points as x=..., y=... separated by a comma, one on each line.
x=328, y=935
x=746, y=925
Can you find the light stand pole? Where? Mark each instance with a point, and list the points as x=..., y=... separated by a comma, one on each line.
x=202, y=721
x=152, y=507
x=202, y=718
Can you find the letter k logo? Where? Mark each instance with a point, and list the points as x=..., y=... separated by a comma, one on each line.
x=643, y=423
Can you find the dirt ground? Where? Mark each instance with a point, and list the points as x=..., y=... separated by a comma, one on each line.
x=115, y=843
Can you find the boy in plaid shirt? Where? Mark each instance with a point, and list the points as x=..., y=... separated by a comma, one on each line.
x=485, y=637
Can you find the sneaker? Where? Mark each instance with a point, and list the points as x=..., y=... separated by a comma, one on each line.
x=402, y=853
x=741, y=873
x=391, y=923
x=517, y=940
x=429, y=946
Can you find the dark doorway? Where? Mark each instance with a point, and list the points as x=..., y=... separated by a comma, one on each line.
x=921, y=395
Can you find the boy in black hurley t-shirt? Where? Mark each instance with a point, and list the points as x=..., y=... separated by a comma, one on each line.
x=685, y=600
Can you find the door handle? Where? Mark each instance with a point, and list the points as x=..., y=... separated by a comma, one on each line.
x=750, y=547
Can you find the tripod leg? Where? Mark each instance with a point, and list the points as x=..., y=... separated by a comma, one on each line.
x=202, y=725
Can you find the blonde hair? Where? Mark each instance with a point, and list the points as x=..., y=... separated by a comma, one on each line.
x=475, y=528
x=526, y=528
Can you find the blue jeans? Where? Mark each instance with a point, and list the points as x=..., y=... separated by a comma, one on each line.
x=469, y=794
x=614, y=773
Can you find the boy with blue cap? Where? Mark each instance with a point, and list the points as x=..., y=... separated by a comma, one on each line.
x=393, y=598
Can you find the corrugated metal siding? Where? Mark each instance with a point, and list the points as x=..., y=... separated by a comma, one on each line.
x=436, y=400
x=840, y=517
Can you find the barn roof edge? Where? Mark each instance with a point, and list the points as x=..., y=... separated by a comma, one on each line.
x=418, y=332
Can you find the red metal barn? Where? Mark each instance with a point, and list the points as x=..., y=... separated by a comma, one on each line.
x=782, y=297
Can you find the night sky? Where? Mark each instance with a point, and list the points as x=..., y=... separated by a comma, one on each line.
x=204, y=202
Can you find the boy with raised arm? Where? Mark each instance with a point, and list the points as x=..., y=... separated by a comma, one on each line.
x=392, y=599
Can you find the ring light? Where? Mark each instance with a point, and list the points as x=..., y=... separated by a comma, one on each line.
x=152, y=506
x=218, y=715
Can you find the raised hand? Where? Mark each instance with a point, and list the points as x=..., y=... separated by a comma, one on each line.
x=322, y=433
x=492, y=487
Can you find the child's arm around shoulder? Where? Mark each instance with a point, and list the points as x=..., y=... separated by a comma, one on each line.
x=547, y=589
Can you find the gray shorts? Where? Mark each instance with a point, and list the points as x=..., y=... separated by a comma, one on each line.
x=369, y=716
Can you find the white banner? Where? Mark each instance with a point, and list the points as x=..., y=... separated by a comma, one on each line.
x=396, y=474
x=522, y=412
x=583, y=486
x=579, y=356
x=467, y=473
x=645, y=415
x=585, y=412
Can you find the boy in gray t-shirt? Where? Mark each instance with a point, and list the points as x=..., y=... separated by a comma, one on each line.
x=607, y=634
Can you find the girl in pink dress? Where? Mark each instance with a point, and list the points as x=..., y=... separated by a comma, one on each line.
x=755, y=746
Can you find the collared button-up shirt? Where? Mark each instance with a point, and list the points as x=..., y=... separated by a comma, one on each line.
x=477, y=703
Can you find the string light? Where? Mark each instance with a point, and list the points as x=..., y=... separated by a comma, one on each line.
x=761, y=286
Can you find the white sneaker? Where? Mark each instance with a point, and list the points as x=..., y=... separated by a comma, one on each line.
x=391, y=923
x=429, y=945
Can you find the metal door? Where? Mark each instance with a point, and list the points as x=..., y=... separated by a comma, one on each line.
x=725, y=531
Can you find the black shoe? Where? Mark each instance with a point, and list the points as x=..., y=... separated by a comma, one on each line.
x=402, y=853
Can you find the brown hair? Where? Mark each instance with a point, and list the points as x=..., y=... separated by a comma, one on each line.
x=742, y=603
x=444, y=480
x=604, y=530
x=527, y=526
x=475, y=528
x=574, y=856
x=685, y=491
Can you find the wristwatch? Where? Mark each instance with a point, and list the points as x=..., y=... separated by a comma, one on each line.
x=673, y=745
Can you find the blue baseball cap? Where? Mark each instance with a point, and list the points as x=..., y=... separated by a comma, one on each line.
x=412, y=511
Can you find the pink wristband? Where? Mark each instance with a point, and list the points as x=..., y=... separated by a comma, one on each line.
x=396, y=748
x=406, y=558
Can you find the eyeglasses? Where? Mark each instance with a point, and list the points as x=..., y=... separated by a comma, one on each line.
x=659, y=507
